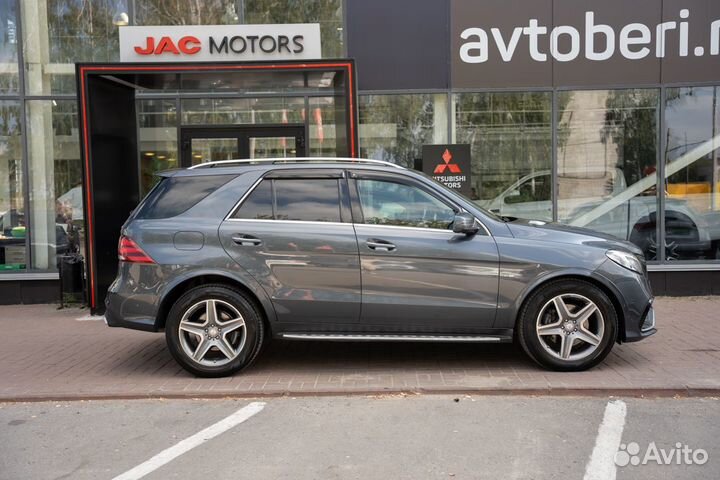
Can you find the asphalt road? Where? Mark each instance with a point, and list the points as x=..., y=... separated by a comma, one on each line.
x=412, y=437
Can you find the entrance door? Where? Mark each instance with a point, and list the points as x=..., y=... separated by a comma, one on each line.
x=209, y=144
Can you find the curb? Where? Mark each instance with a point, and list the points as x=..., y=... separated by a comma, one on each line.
x=530, y=392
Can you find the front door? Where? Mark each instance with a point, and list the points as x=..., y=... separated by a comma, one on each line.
x=213, y=143
x=417, y=275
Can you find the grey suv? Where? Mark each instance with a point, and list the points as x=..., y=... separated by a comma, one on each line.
x=224, y=255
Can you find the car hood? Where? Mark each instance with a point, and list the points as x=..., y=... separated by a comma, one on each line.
x=560, y=233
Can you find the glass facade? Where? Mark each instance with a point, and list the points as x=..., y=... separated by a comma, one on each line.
x=642, y=164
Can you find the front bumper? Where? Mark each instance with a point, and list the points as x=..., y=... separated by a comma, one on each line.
x=634, y=297
x=646, y=328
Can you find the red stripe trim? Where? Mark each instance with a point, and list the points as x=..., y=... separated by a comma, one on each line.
x=88, y=196
x=83, y=100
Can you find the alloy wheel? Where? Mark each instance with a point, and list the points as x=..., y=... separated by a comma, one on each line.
x=212, y=332
x=570, y=327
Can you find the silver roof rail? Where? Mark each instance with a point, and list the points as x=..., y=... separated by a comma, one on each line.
x=295, y=160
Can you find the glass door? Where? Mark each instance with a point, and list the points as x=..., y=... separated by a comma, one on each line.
x=210, y=144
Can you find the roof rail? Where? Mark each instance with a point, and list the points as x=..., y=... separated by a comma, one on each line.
x=222, y=163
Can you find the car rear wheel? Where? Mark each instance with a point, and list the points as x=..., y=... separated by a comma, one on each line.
x=214, y=331
x=568, y=325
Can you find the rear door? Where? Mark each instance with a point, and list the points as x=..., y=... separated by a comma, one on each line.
x=293, y=232
x=417, y=275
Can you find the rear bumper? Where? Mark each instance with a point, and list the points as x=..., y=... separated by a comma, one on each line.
x=132, y=299
x=114, y=319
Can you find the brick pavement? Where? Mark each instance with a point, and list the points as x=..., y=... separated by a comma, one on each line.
x=50, y=354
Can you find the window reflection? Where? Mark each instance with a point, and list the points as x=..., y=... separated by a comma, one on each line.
x=607, y=155
x=12, y=206
x=511, y=144
x=692, y=174
x=395, y=127
x=8, y=48
x=55, y=171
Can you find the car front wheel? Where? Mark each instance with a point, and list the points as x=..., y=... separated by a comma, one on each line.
x=568, y=325
x=214, y=331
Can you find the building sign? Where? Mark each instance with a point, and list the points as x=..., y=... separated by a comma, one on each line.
x=220, y=43
x=508, y=43
x=449, y=165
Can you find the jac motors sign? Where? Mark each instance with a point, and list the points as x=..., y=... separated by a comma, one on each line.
x=218, y=43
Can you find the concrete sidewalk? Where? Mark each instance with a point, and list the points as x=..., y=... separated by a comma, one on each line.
x=59, y=354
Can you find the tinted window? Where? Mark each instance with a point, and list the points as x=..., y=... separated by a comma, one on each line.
x=175, y=195
x=258, y=205
x=313, y=200
x=390, y=203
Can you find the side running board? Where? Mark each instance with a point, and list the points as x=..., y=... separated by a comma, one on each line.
x=397, y=338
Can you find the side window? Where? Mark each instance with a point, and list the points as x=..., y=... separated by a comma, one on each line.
x=390, y=203
x=303, y=199
x=258, y=205
x=311, y=200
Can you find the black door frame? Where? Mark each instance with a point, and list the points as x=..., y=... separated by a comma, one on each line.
x=242, y=133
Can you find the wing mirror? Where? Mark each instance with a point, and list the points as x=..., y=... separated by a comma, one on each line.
x=465, y=223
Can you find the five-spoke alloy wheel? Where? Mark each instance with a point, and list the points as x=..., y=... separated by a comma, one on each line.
x=568, y=325
x=214, y=331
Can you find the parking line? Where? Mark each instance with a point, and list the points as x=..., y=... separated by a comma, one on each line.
x=184, y=446
x=601, y=465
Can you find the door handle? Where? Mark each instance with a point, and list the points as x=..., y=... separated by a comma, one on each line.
x=380, y=245
x=246, y=240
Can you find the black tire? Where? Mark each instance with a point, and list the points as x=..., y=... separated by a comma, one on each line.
x=537, y=350
x=253, y=329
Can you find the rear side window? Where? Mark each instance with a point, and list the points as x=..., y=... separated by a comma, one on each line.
x=175, y=195
x=302, y=199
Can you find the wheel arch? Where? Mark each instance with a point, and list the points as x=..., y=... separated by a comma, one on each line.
x=253, y=291
x=588, y=277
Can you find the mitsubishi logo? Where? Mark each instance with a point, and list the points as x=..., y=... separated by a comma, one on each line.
x=453, y=167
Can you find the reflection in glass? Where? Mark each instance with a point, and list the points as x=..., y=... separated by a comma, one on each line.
x=12, y=208
x=390, y=203
x=58, y=33
x=8, y=47
x=312, y=200
x=158, y=139
x=55, y=171
x=328, y=13
x=249, y=111
x=272, y=147
x=607, y=147
x=511, y=144
x=213, y=149
x=326, y=127
x=692, y=173
x=395, y=127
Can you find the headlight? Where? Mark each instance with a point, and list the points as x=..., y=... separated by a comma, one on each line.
x=626, y=260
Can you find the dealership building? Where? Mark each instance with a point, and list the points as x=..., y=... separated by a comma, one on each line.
x=597, y=114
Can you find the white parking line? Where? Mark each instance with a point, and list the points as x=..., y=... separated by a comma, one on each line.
x=601, y=465
x=191, y=442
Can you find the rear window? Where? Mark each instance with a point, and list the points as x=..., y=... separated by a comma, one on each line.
x=175, y=195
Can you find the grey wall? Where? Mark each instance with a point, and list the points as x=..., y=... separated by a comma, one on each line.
x=399, y=44
x=405, y=44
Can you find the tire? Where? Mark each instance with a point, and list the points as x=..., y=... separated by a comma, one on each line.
x=190, y=323
x=544, y=334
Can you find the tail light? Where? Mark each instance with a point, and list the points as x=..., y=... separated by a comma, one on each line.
x=128, y=251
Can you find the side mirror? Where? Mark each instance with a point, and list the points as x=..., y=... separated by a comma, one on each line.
x=465, y=223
